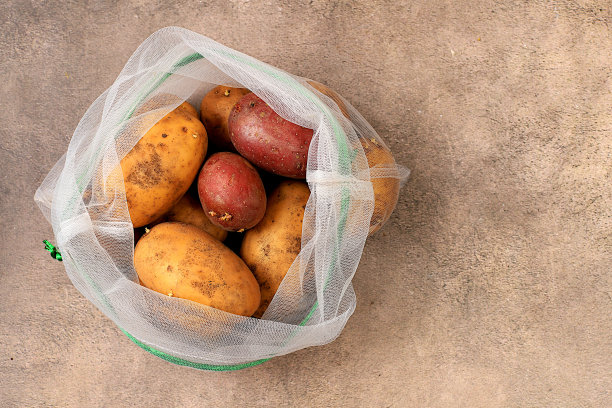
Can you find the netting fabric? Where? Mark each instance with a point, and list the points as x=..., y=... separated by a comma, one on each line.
x=84, y=200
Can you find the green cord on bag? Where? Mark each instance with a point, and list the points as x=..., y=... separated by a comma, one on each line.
x=55, y=253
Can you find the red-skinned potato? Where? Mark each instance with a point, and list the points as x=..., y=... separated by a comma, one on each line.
x=267, y=140
x=231, y=192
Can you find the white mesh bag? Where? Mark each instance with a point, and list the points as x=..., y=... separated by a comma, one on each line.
x=86, y=206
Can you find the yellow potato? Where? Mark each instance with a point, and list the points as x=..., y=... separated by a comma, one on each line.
x=189, y=108
x=386, y=190
x=164, y=99
x=181, y=260
x=162, y=165
x=215, y=110
x=332, y=94
x=190, y=211
x=271, y=246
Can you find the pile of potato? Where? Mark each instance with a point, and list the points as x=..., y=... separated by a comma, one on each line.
x=248, y=193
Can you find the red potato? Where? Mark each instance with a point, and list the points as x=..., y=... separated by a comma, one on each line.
x=267, y=140
x=231, y=192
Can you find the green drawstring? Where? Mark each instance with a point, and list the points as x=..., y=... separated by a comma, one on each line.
x=55, y=253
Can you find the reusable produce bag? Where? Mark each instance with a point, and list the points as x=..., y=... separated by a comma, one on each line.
x=85, y=203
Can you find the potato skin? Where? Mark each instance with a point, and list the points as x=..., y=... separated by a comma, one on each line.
x=183, y=261
x=231, y=192
x=332, y=94
x=161, y=166
x=386, y=190
x=189, y=211
x=270, y=248
x=214, y=112
x=162, y=99
x=189, y=108
x=267, y=140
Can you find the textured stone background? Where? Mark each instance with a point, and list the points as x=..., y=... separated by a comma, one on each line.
x=491, y=284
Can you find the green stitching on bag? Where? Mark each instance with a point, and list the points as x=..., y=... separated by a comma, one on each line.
x=200, y=366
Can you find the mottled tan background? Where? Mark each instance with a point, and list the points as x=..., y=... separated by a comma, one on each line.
x=491, y=284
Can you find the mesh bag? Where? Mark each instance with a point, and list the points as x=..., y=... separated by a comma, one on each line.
x=84, y=200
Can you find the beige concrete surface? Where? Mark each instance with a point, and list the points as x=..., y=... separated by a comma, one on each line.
x=489, y=287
